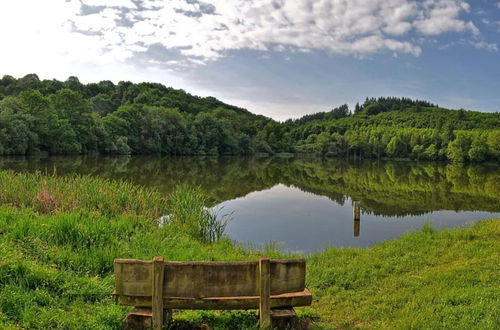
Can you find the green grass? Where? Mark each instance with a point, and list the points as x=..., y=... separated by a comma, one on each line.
x=189, y=213
x=56, y=264
x=51, y=194
x=424, y=280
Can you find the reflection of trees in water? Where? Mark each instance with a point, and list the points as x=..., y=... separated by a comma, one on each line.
x=399, y=189
x=385, y=188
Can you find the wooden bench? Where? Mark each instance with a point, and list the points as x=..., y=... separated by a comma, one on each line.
x=161, y=286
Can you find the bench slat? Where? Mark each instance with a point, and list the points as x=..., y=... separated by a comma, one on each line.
x=302, y=298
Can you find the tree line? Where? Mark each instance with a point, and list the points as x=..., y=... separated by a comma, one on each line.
x=69, y=117
x=73, y=118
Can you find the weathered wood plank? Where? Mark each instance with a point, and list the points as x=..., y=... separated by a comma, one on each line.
x=296, y=299
x=265, y=292
x=138, y=318
x=288, y=275
x=284, y=318
x=283, y=312
x=133, y=277
x=208, y=279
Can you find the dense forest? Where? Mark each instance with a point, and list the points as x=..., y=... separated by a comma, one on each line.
x=55, y=117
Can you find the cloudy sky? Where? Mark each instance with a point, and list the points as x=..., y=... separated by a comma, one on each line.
x=281, y=58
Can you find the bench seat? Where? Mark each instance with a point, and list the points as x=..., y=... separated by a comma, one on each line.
x=301, y=298
x=159, y=286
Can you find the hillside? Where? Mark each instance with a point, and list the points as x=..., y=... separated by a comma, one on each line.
x=69, y=117
x=74, y=118
x=399, y=128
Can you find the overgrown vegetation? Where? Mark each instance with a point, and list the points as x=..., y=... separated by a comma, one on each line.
x=48, y=194
x=190, y=213
x=56, y=266
x=69, y=117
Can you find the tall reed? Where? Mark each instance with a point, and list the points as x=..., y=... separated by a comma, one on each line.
x=52, y=194
x=189, y=213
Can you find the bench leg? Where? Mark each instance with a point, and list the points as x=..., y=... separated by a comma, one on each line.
x=138, y=318
x=142, y=318
x=167, y=317
x=284, y=318
x=157, y=295
x=265, y=293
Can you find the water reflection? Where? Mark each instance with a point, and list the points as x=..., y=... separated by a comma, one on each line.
x=303, y=222
x=307, y=203
x=356, y=217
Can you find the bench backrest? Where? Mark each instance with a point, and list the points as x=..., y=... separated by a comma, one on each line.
x=134, y=278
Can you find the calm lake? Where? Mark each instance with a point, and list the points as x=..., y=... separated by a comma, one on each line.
x=305, y=204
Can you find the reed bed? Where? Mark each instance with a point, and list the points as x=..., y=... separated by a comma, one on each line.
x=53, y=194
x=188, y=211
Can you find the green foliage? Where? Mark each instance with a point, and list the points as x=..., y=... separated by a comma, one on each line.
x=396, y=147
x=336, y=113
x=74, y=118
x=69, y=117
x=189, y=212
x=356, y=137
x=431, y=153
x=50, y=194
x=56, y=268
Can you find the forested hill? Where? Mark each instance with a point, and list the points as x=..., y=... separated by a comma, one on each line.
x=74, y=118
x=69, y=117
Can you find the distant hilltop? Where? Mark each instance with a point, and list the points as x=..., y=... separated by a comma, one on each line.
x=56, y=117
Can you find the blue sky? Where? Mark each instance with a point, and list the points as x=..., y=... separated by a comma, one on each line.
x=280, y=58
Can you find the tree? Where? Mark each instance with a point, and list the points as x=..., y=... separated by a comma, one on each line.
x=478, y=150
x=324, y=143
x=417, y=152
x=73, y=107
x=71, y=117
x=357, y=108
x=431, y=153
x=102, y=104
x=493, y=143
x=395, y=147
x=458, y=149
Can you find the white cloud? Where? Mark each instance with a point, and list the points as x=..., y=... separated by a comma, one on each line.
x=38, y=38
x=113, y=31
x=492, y=47
x=441, y=16
x=208, y=31
x=110, y=3
x=479, y=44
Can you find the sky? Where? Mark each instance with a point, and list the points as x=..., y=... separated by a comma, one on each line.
x=280, y=58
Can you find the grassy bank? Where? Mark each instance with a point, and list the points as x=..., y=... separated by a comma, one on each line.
x=59, y=236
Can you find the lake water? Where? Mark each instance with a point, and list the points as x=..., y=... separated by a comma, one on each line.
x=305, y=204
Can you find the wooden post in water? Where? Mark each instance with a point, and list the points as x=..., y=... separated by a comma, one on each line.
x=356, y=212
x=157, y=296
x=265, y=292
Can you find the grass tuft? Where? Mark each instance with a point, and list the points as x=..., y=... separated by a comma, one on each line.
x=189, y=212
